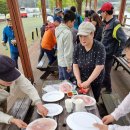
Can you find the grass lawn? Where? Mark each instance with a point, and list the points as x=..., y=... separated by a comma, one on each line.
x=29, y=24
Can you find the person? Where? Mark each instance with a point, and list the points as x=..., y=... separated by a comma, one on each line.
x=89, y=59
x=86, y=19
x=58, y=13
x=65, y=45
x=10, y=76
x=90, y=13
x=113, y=39
x=122, y=109
x=78, y=19
x=97, y=22
x=8, y=36
x=49, y=41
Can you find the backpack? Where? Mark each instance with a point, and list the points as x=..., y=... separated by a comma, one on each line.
x=115, y=29
x=42, y=29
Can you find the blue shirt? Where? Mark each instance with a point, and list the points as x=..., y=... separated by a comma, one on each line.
x=78, y=21
x=8, y=35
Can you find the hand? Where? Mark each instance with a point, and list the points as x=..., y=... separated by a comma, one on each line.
x=108, y=119
x=79, y=83
x=13, y=42
x=18, y=123
x=3, y=43
x=42, y=110
x=69, y=69
x=101, y=127
x=85, y=84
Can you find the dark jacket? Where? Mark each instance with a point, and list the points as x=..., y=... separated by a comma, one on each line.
x=98, y=32
x=113, y=46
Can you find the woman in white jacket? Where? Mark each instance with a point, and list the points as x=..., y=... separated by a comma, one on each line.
x=9, y=76
x=122, y=109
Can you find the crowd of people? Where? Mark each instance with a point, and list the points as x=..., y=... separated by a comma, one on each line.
x=85, y=50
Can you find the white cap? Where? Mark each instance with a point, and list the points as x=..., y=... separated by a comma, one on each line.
x=85, y=28
x=50, y=19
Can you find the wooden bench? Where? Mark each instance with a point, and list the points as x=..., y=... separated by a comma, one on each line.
x=43, y=66
x=19, y=110
x=121, y=61
x=111, y=101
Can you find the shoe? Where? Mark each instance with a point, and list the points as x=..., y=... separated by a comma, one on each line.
x=106, y=91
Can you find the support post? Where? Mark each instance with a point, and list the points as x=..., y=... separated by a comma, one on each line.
x=122, y=10
x=59, y=4
x=44, y=16
x=86, y=3
x=20, y=38
x=90, y=4
x=95, y=5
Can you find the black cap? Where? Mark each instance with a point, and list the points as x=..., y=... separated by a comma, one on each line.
x=8, y=71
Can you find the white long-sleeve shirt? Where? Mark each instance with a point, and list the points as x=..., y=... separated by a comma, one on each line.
x=120, y=111
x=25, y=85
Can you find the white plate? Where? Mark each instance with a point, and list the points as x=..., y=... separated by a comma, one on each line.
x=82, y=121
x=83, y=97
x=53, y=96
x=53, y=109
x=42, y=123
x=65, y=87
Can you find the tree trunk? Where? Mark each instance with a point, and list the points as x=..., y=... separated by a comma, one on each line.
x=79, y=6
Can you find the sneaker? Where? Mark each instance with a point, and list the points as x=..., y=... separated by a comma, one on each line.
x=106, y=91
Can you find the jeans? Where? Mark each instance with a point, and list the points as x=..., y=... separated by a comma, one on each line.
x=107, y=78
x=14, y=56
x=50, y=55
x=63, y=74
x=41, y=54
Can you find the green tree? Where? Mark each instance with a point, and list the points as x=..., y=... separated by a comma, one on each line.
x=3, y=7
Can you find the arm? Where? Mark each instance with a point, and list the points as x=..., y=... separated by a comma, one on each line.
x=5, y=118
x=5, y=38
x=68, y=48
x=25, y=85
x=122, y=109
x=99, y=65
x=118, y=127
x=81, y=20
x=111, y=127
x=76, y=72
x=93, y=76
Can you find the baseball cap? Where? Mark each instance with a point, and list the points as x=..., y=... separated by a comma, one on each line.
x=85, y=28
x=8, y=17
x=50, y=19
x=57, y=10
x=8, y=71
x=106, y=7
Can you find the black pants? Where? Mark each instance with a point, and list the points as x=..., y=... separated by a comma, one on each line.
x=50, y=55
x=107, y=77
x=96, y=88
